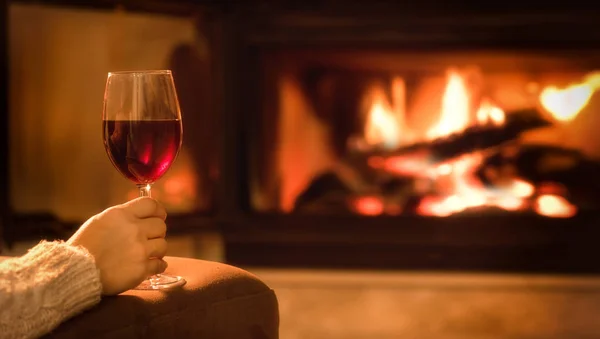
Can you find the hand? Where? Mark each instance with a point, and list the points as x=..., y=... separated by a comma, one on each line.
x=127, y=242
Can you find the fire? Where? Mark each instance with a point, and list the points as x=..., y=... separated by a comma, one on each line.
x=457, y=176
x=385, y=125
x=454, y=117
x=564, y=104
x=468, y=192
x=381, y=127
x=456, y=181
x=488, y=113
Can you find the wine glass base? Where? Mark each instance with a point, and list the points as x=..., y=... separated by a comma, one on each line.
x=161, y=282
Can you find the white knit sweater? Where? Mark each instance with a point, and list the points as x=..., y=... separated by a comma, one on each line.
x=51, y=283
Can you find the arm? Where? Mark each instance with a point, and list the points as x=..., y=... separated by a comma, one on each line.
x=110, y=253
x=51, y=283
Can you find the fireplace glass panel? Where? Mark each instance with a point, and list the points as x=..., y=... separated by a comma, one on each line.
x=434, y=134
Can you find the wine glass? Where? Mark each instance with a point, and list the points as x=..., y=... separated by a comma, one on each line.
x=142, y=134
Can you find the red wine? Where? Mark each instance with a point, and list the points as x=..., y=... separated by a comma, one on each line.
x=142, y=150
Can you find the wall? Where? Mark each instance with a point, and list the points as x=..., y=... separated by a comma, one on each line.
x=59, y=60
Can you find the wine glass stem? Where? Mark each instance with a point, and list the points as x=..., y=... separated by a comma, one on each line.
x=145, y=190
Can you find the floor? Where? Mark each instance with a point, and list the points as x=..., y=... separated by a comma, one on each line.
x=352, y=305
x=368, y=304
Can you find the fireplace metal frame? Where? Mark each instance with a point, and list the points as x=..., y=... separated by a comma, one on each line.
x=4, y=123
x=478, y=243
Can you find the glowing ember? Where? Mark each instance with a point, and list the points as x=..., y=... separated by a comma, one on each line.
x=555, y=206
x=521, y=189
x=369, y=205
x=469, y=192
x=510, y=203
x=415, y=164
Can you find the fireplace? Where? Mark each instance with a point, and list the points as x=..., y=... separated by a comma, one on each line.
x=387, y=137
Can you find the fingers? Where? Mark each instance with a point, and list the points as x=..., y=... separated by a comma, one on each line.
x=156, y=266
x=154, y=228
x=156, y=248
x=146, y=207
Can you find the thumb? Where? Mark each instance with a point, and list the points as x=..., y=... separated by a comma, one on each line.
x=156, y=266
x=146, y=207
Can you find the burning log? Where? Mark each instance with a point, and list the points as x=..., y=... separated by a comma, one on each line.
x=326, y=191
x=331, y=192
x=555, y=168
x=474, y=138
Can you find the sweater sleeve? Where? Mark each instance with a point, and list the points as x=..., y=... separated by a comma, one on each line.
x=51, y=283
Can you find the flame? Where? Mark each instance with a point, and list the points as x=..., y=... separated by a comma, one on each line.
x=454, y=116
x=455, y=111
x=381, y=127
x=385, y=125
x=488, y=113
x=564, y=104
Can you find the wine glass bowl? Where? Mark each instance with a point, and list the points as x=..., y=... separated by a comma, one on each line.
x=142, y=133
x=142, y=150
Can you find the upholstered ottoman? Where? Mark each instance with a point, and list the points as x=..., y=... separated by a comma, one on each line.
x=218, y=301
